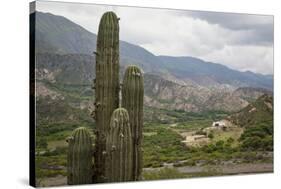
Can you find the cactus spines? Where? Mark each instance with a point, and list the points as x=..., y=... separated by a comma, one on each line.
x=106, y=86
x=132, y=100
x=119, y=148
x=79, y=162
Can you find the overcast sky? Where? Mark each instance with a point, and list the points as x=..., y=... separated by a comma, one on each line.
x=239, y=41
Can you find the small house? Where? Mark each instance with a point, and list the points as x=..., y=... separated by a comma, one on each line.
x=218, y=124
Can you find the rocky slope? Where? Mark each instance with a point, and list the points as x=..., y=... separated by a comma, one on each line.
x=167, y=94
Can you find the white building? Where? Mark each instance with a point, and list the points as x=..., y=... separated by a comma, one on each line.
x=218, y=124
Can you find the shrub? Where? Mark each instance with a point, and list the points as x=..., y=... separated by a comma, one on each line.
x=230, y=140
x=211, y=135
x=258, y=137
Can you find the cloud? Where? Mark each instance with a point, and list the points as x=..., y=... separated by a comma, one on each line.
x=259, y=26
x=240, y=41
x=258, y=59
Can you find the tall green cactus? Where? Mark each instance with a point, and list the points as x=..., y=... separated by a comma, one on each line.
x=119, y=148
x=79, y=162
x=106, y=86
x=132, y=100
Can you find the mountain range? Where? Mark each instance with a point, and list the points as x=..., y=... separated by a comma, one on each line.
x=64, y=56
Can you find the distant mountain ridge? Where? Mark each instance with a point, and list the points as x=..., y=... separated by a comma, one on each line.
x=196, y=68
x=57, y=34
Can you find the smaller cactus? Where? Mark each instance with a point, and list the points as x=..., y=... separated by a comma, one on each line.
x=119, y=148
x=79, y=160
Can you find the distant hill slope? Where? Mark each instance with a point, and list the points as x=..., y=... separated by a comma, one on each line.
x=257, y=121
x=250, y=93
x=57, y=34
x=76, y=69
x=255, y=113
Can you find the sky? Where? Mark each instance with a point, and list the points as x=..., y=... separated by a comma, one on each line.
x=240, y=41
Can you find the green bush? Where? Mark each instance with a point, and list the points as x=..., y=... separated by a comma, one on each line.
x=258, y=137
x=230, y=140
x=165, y=146
x=211, y=135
